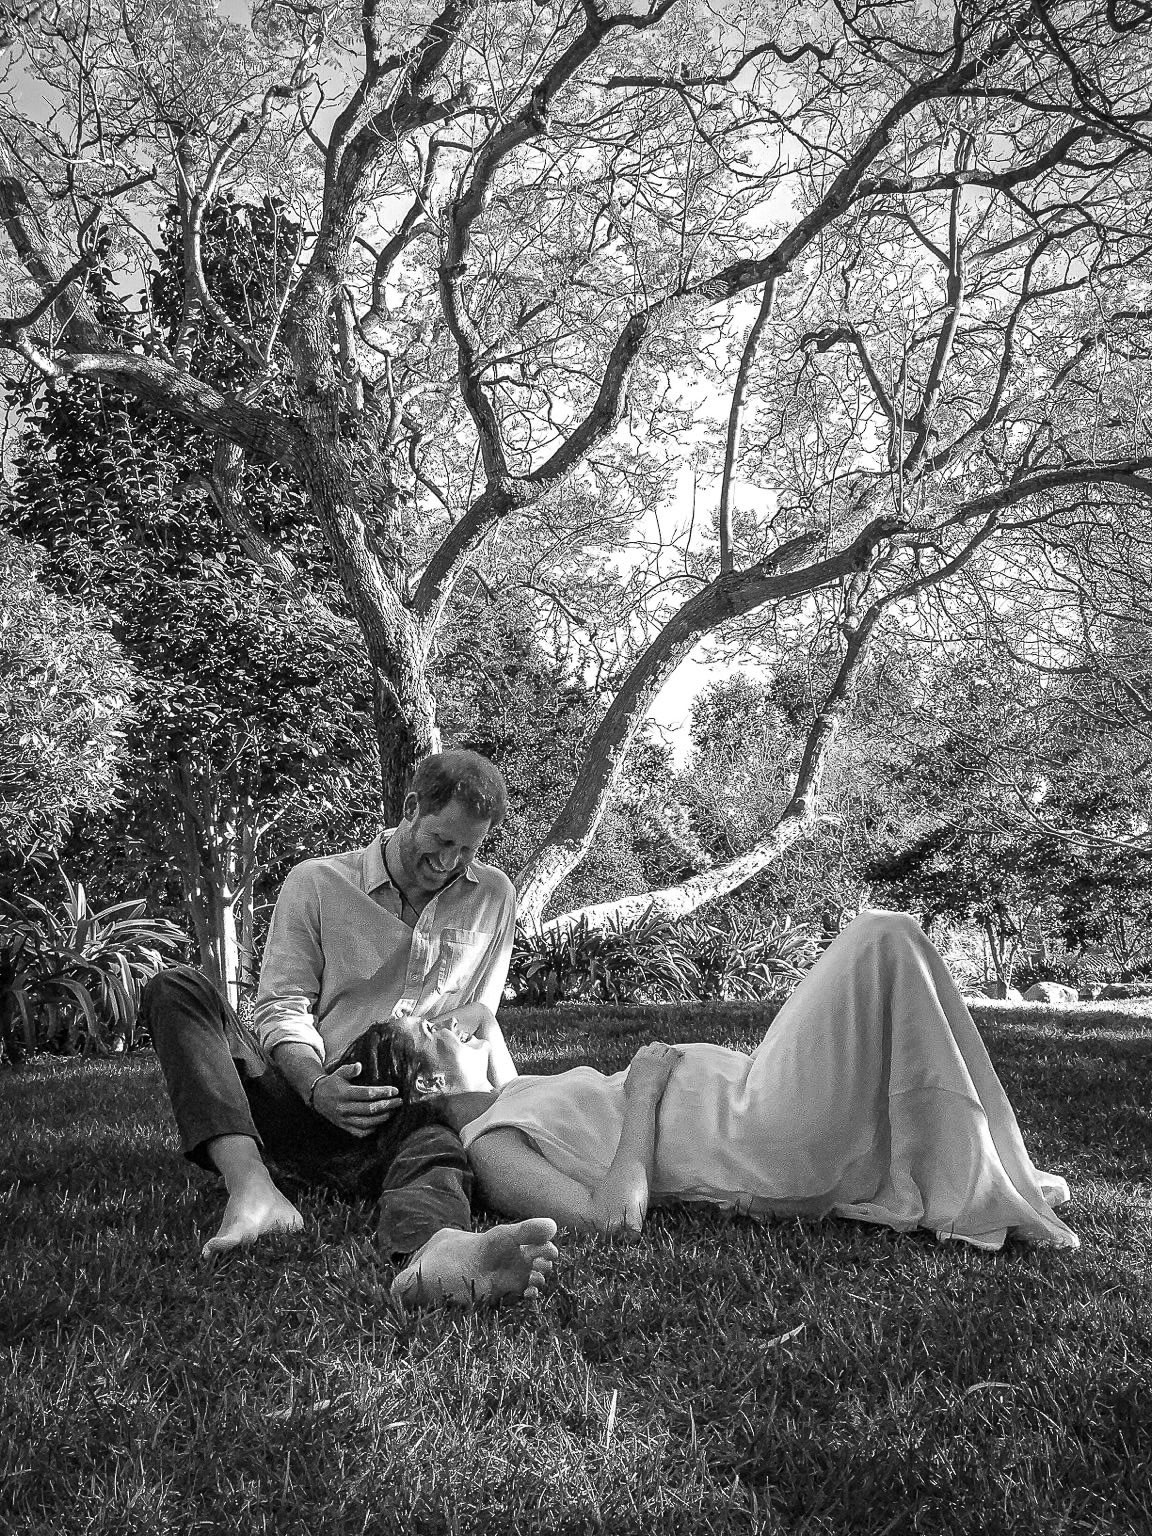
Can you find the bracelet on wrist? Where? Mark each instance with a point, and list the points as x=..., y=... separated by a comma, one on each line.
x=319, y=1078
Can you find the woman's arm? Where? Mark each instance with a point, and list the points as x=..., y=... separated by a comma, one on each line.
x=620, y=1200
x=518, y=1181
x=479, y=1020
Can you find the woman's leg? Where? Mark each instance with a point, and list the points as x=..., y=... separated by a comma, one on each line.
x=876, y=1074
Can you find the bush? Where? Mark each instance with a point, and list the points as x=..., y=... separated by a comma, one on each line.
x=1072, y=970
x=70, y=981
x=656, y=961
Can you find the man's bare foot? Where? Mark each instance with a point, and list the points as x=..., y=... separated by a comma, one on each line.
x=255, y=1206
x=254, y=1209
x=506, y=1264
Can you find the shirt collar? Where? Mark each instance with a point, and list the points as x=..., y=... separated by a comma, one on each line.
x=376, y=870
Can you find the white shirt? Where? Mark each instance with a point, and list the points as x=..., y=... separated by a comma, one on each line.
x=338, y=957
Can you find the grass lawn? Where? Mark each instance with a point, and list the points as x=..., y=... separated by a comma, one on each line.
x=719, y=1375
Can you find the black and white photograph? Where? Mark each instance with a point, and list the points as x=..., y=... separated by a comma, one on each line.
x=575, y=768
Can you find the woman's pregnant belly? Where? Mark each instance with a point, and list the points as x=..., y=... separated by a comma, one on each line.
x=574, y=1119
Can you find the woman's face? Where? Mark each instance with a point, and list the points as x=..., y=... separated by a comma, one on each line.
x=452, y=1060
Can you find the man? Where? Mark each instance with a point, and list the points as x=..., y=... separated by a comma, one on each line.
x=410, y=925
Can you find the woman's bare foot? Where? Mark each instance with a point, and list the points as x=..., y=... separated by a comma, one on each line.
x=255, y=1206
x=506, y=1264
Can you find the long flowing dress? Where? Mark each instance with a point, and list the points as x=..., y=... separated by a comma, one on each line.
x=871, y=1097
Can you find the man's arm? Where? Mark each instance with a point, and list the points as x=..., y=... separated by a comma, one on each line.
x=486, y=993
x=335, y=1095
x=290, y=980
x=292, y=970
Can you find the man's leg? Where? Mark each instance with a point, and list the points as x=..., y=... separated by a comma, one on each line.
x=205, y=1060
x=420, y=1174
x=426, y=1212
x=426, y=1186
x=417, y=1168
x=229, y=1105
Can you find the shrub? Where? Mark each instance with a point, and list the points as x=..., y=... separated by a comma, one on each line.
x=656, y=961
x=1075, y=969
x=746, y=957
x=964, y=953
x=71, y=980
x=585, y=964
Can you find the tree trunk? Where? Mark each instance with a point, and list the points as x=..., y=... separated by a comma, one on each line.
x=679, y=901
x=245, y=909
x=992, y=939
x=406, y=728
x=207, y=851
x=787, y=573
x=561, y=854
x=371, y=566
x=220, y=961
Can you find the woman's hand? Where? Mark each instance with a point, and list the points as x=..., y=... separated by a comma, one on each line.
x=650, y=1070
x=620, y=1200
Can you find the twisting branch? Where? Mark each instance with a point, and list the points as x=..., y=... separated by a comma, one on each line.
x=735, y=421
x=531, y=122
x=73, y=310
x=850, y=184
x=372, y=328
x=267, y=436
x=921, y=420
x=787, y=573
x=199, y=301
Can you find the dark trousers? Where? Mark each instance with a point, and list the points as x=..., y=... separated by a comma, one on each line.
x=220, y=1085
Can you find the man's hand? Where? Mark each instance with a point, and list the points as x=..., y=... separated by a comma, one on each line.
x=650, y=1070
x=357, y=1110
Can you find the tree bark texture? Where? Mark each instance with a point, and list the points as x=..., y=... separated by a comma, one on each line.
x=787, y=574
x=371, y=570
x=680, y=901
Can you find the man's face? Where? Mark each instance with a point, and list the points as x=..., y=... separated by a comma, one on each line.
x=433, y=847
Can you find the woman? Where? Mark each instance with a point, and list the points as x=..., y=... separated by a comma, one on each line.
x=871, y=1097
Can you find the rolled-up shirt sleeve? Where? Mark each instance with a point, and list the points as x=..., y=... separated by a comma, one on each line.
x=492, y=971
x=293, y=967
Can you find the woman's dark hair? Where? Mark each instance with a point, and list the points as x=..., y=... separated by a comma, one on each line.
x=386, y=1058
x=389, y=1059
x=464, y=776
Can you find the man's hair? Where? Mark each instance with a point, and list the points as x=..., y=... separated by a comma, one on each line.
x=464, y=776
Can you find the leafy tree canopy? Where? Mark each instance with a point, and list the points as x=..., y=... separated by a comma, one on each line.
x=65, y=705
x=690, y=323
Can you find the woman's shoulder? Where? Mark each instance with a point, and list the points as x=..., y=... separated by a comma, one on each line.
x=540, y=1099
